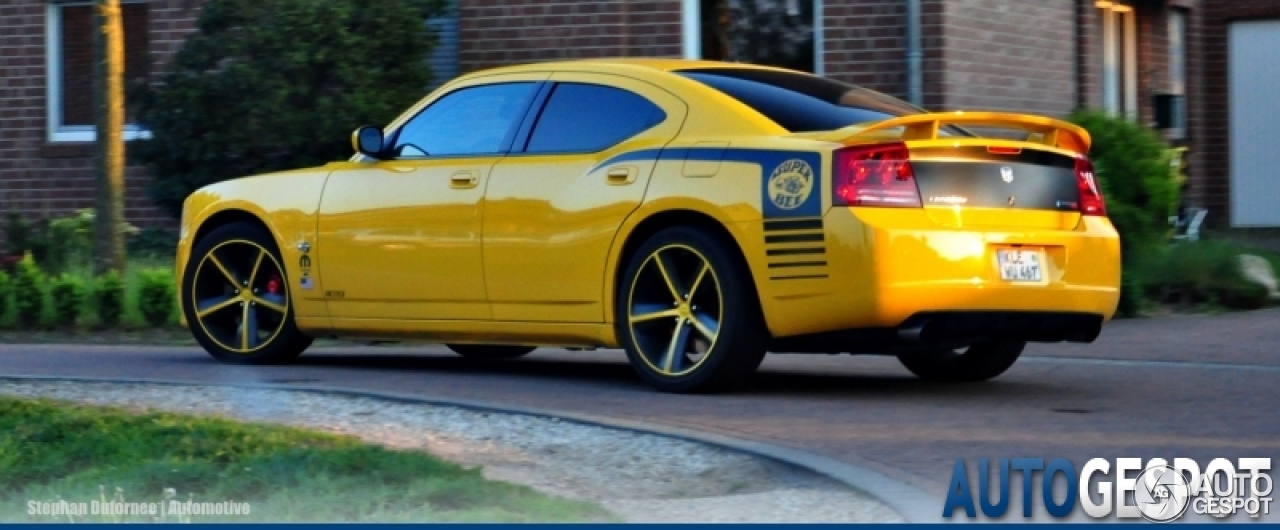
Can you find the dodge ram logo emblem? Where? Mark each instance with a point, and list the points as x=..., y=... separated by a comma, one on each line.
x=1006, y=174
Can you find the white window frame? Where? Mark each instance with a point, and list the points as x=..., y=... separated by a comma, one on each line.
x=1119, y=59
x=57, y=132
x=691, y=30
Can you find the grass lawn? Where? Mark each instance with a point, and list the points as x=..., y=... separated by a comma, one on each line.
x=53, y=451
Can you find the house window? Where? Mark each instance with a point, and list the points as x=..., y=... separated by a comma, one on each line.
x=70, y=32
x=784, y=33
x=1119, y=59
x=1178, y=68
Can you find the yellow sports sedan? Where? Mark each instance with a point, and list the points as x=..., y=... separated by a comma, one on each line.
x=694, y=214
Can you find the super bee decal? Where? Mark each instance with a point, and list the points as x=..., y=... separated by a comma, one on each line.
x=790, y=184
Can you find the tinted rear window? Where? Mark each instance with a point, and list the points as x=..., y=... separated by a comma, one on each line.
x=802, y=103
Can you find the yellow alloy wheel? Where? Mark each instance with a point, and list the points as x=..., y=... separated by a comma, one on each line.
x=675, y=309
x=239, y=296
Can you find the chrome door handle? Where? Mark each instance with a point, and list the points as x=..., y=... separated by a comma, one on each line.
x=464, y=179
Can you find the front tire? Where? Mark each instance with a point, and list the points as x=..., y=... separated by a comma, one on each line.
x=235, y=295
x=979, y=362
x=490, y=352
x=687, y=314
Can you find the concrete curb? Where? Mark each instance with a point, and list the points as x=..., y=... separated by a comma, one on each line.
x=903, y=498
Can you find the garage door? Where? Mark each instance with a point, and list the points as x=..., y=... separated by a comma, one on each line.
x=1255, y=114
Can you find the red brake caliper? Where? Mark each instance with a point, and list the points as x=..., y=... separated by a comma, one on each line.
x=273, y=284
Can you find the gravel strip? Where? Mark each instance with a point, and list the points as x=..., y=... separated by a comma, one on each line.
x=639, y=477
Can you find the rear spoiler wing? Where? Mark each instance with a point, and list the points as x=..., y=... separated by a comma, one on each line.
x=1050, y=132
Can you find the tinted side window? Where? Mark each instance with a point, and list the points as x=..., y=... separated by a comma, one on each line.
x=799, y=105
x=588, y=118
x=472, y=121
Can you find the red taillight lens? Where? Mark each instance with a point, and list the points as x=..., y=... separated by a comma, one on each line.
x=875, y=175
x=1091, y=202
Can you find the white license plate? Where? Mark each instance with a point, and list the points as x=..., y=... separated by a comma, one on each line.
x=1019, y=265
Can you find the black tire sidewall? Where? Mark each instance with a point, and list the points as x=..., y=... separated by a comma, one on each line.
x=490, y=352
x=740, y=345
x=982, y=362
x=286, y=346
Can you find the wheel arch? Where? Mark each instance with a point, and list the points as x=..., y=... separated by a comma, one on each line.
x=648, y=225
x=226, y=217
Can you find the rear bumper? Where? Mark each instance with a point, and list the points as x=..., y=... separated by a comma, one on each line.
x=887, y=269
x=953, y=329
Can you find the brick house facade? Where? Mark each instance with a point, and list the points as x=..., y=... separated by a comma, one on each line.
x=1047, y=56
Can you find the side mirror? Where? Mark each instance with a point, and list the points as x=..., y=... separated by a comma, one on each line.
x=368, y=141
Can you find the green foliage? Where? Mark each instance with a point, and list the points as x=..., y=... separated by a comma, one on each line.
x=5, y=288
x=59, y=245
x=52, y=450
x=266, y=85
x=108, y=297
x=155, y=296
x=1132, y=166
x=153, y=243
x=21, y=237
x=28, y=292
x=67, y=292
x=1203, y=272
x=70, y=241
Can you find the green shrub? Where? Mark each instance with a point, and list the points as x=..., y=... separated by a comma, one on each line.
x=70, y=241
x=1202, y=272
x=155, y=296
x=1132, y=166
x=108, y=297
x=153, y=243
x=265, y=85
x=67, y=292
x=5, y=287
x=28, y=293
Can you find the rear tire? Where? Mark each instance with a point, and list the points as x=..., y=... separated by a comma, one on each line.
x=490, y=352
x=979, y=362
x=687, y=313
x=235, y=266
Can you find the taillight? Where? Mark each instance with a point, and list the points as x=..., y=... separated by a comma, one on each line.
x=874, y=175
x=1091, y=202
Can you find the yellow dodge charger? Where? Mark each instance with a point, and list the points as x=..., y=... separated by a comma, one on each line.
x=694, y=214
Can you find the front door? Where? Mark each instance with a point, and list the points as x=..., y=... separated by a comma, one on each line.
x=401, y=238
x=554, y=204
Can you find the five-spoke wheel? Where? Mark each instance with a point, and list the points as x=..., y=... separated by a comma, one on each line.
x=687, y=313
x=236, y=297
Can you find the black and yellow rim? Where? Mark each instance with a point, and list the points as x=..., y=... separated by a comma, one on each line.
x=674, y=310
x=239, y=296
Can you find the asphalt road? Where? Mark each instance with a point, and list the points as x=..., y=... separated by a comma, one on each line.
x=1198, y=387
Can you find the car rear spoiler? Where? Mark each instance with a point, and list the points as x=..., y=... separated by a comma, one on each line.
x=1045, y=131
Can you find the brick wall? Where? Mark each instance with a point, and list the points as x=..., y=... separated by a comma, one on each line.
x=1003, y=55
x=501, y=32
x=1212, y=185
x=42, y=179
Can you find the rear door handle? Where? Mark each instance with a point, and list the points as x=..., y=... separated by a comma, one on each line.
x=621, y=175
x=464, y=179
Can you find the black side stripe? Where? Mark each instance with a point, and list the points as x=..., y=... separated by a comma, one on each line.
x=807, y=277
x=795, y=251
x=795, y=238
x=804, y=224
x=798, y=264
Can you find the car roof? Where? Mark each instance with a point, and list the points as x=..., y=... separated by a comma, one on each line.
x=625, y=65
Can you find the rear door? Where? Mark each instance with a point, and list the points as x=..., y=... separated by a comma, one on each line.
x=553, y=205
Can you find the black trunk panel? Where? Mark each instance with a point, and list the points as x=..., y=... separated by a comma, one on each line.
x=974, y=177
